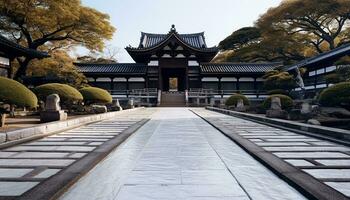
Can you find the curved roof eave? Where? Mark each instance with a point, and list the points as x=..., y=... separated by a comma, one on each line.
x=131, y=49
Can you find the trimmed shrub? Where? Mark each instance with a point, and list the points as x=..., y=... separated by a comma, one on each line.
x=278, y=91
x=286, y=102
x=95, y=95
x=232, y=100
x=336, y=95
x=13, y=92
x=67, y=93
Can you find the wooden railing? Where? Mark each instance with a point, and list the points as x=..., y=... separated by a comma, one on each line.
x=191, y=93
x=207, y=93
x=146, y=92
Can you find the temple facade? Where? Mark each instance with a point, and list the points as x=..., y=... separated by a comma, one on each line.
x=176, y=63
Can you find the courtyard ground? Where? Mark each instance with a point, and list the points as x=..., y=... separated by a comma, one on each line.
x=180, y=153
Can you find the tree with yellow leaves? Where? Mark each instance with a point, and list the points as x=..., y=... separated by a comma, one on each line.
x=51, y=25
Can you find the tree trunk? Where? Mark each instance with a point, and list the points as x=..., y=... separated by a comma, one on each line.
x=22, y=70
x=2, y=119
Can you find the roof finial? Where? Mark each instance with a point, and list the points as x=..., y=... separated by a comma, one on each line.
x=173, y=29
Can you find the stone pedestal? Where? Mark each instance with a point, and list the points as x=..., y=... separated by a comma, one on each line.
x=50, y=116
x=314, y=122
x=281, y=114
x=53, y=110
x=276, y=109
x=98, y=109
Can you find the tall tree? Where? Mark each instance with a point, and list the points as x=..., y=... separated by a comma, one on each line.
x=240, y=38
x=56, y=23
x=292, y=31
x=57, y=67
x=319, y=22
x=248, y=45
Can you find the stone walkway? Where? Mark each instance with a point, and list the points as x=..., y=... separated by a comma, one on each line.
x=326, y=162
x=25, y=167
x=177, y=155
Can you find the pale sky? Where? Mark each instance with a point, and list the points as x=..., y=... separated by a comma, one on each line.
x=217, y=18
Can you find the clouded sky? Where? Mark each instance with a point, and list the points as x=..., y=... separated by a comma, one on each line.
x=217, y=18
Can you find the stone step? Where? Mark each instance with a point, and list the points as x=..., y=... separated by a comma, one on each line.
x=173, y=100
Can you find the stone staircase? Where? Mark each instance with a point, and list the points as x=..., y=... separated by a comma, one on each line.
x=173, y=99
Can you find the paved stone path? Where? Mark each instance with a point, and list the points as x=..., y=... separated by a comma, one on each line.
x=26, y=166
x=325, y=161
x=177, y=155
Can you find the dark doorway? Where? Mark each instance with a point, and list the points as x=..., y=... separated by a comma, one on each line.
x=174, y=79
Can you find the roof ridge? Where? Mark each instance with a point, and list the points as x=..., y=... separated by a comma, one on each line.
x=77, y=63
x=313, y=58
x=181, y=34
x=243, y=63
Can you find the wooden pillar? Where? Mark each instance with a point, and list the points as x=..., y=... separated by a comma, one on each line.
x=112, y=85
x=256, y=88
x=127, y=87
x=237, y=86
x=127, y=83
x=220, y=88
x=186, y=78
x=146, y=81
x=10, y=70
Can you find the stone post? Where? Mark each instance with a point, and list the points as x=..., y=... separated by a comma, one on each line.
x=116, y=106
x=212, y=102
x=2, y=119
x=131, y=104
x=240, y=106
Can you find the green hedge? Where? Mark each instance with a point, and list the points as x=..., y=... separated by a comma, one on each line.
x=232, y=100
x=67, y=93
x=95, y=95
x=336, y=95
x=286, y=101
x=278, y=91
x=13, y=92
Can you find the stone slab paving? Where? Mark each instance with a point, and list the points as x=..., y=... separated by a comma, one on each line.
x=177, y=155
x=327, y=162
x=25, y=166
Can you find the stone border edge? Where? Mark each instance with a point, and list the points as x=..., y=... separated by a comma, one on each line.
x=303, y=182
x=331, y=134
x=55, y=186
x=43, y=130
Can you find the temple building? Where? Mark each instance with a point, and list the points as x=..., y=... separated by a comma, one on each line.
x=10, y=50
x=318, y=67
x=176, y=64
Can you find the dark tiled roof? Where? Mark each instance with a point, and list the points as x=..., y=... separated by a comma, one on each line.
x=238, y=67
x=195, y=40
x=17, y=50
x=331, y=55
x=121, y=68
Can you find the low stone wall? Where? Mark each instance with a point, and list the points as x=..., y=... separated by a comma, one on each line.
x=54, y=127
x=334, y=133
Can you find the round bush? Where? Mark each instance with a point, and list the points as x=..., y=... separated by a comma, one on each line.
x=336, y=95
x=286, y=101
x=278, y=91
x=67, y=93
x=232, y=100
x=13, y=92
x=95, y=95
